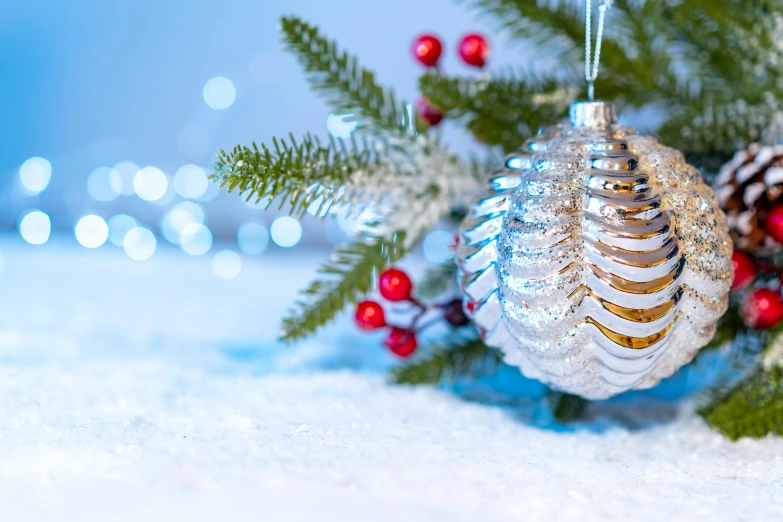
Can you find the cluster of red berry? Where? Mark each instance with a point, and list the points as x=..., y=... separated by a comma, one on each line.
x=762, y=307
x=427, y=49
x=396, y=286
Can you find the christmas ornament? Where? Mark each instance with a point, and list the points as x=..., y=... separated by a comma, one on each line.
x=762, y=308
x=608, y=265
x=474, y=50
x=395, y=285
x=744, y=270
x=427, y=50
x=401, y=341
x=428, y=112
x=750, y=189
x=369, y=315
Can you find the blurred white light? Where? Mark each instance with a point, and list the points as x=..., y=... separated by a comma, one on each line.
x=122, y=177
x=139, y=243
x=150, y=184
x=196, y=239
x=120, y=225
x=438, y=246
x=211, y=192
x=226, y=264
x=178, y=218
x=334, y=234
x=191, y=181
x=35, y=227
x=35, y=174
x=219, y=93
x=91, y=231
x=104, y=184
x=252, y=238
x=286, y=231
x=339, y=127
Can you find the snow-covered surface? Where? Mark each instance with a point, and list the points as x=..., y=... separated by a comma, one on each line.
x=154, y=391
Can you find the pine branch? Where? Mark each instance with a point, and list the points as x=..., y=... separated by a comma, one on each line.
x=460, y=358
x=566, y=408
x=753, y=408
x=437, y=281
x=501, y=111
x=718, y=127
x=338, y=76
x=555, y=29
x=349, y=274
x=299, y=174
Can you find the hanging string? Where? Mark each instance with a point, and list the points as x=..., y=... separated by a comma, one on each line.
x=591, y=75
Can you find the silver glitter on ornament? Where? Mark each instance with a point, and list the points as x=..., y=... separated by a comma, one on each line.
x=600, y=262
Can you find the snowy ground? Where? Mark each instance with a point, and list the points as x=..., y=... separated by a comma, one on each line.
x=154, y=391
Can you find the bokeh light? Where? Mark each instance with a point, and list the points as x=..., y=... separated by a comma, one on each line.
x=120, y=225
x=178, y=218
x=219, y=93
x=196, y=239
x=91, y=231
x=438, y=246
x=191, y=181
x=341, y=126
x=139, y=243
x=226, y=264
x=35, y=227
x=150, y=184
x=104, y=184
x=34, y=174
x=286, y=231
x=124, y=173
x=252, y=238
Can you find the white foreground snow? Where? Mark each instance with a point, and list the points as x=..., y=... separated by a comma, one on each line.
x=143, y=391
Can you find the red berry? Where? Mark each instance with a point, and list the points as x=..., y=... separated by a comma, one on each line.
x=369, y=315
x=474, y=49
x=401, y=341
x=762, y=308
x=454, y=314
x=395, y=285
x=744, y=269
x=427, y=50
x=428, y=112
x=774, y=223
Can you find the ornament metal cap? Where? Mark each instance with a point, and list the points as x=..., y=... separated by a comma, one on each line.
x=593, y=114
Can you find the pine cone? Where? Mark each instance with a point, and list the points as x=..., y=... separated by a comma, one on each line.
x=748, y=187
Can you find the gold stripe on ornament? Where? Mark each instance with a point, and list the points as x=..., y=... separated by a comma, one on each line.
x=637, y=287
x=635, y=343
x=643, y=259
x=636, y=315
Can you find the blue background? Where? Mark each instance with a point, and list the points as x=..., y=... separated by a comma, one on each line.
x=93, y=82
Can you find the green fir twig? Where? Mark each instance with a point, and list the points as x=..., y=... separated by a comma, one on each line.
x=566, y=408
x=297, y=173
x=347, y=276
x=459, y=358
x=338, y=77
x=753, y=408
x=438, y=280
x=504, y=110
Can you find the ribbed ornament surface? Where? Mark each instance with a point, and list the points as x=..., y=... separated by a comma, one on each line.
x=600, y=262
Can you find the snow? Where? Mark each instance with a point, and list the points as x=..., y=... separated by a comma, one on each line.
x=154, y=391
